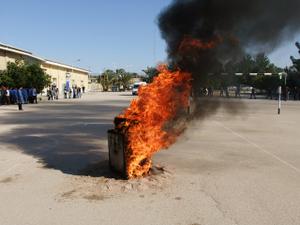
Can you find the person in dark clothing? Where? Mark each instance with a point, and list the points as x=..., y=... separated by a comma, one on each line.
x=13, y=96
x=227, y=92
x=296, y=93
x=79, y=92
x=238, y=91
x=25, y=95
x=253, y=94
x=74, y=91
x=222, y=92
x=49, y=94
x=70, y=93
x=34, y=95
x=20, y=98
x=65, y=93
x=210, y=91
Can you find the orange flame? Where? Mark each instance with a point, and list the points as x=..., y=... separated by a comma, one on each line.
x=149, y=118
x=189, y=43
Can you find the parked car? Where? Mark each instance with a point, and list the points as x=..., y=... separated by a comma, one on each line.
x=136, y=86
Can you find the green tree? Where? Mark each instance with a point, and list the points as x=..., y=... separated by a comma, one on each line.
x=5, y=79
x=293, y=79
x=123, y=78
x=107, y=79
x=36, y=77
x=263, y=65
x=246, y=66
x=23, y=74
x=17, y=73
x=150, y=72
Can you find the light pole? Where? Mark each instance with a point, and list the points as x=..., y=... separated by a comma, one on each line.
x=280, y=91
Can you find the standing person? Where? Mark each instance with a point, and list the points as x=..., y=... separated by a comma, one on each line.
x=238, y=91
x=74, y=91
x=25, y=95
x=56, y=93
x=70, y=93
x=20, y=98
x=210, y=91
x=79, y=92
x=83, y=89
x=2, y=95
x=253, y=94
x=34, y=95
x=222, y=92
x=269, y=93
x=65, y=93
x=13, y=95
x=227, y=92
x=7, y=96
x=30, y=97
x=295, y=93
x=49, y=94
x=53, y=93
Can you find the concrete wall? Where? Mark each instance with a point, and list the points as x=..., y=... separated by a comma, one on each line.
x=59, y=76
x=6, y=57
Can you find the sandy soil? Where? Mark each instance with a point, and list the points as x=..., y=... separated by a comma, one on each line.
x=226, y=169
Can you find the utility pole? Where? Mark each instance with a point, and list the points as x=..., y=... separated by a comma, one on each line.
x=279, y=96
x=280, y=91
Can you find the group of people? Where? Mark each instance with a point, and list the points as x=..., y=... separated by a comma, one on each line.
x=224, y=92
x=52, y=93
x=286, y=94
x=73, y=92
x=69, y=92
x=22, y=95
x=17, y=95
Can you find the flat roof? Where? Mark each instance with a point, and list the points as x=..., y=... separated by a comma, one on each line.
x=13, y=49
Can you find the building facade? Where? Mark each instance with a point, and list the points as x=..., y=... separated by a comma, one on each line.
x=62, y=75
x=94, y=84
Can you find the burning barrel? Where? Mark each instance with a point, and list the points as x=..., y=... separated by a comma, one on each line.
x=121, y=159
x=117, y=151
x=117, y=144
x=152, y=122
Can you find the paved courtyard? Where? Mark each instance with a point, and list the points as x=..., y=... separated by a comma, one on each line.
x=230, y=168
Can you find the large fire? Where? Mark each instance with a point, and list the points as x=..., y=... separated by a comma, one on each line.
x=151, y=121
x=188, y=43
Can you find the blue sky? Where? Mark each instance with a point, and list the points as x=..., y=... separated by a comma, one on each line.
x=101, y=33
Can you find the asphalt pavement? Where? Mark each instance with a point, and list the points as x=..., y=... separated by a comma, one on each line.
x=238, y=165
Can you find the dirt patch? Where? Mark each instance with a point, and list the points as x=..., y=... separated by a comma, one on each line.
x=100, y=188
x=7, y=180
x=94, y=197
x=68, y=194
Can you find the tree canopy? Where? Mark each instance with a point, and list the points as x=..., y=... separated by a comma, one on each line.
x=150, y=72
x=118, y=78
x=23, y=74
x=293, y=79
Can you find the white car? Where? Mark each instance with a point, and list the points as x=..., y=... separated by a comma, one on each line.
x=136, y=86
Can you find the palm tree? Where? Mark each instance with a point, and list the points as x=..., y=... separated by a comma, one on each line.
x=107, y=79
x=123, y=78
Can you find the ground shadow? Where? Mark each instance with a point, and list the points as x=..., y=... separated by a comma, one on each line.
x=70, y=137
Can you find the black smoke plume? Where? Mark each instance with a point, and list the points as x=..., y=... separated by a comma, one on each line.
x=236, y=25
